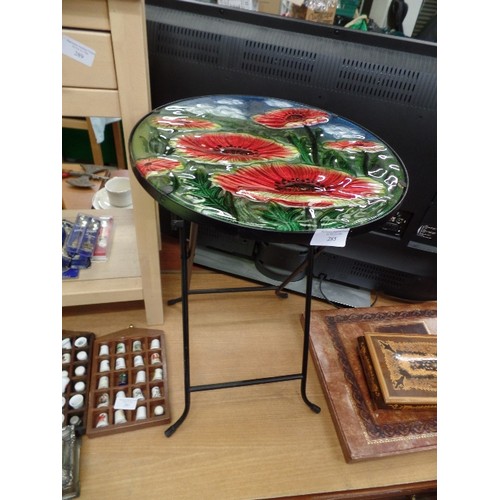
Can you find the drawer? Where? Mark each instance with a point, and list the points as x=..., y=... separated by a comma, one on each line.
x=101, y=74
x=90, y=102
x=86, y=14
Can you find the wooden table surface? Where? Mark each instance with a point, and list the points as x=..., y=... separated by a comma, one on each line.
x=241, y=443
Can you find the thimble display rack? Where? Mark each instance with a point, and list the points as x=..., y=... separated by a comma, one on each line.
x=128, y=382
x=76, y=368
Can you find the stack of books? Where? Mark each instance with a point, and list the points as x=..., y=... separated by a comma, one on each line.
x=400, y=369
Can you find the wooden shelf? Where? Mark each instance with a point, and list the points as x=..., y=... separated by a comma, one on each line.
x=115, y=280
x=117, y=86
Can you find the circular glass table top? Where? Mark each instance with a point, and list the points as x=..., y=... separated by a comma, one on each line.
x=275, y=167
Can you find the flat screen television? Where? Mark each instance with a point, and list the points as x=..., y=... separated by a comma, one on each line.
x=385, y=83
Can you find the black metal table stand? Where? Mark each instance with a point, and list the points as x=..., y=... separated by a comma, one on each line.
x=185, y=292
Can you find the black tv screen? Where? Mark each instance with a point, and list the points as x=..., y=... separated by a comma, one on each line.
x=387, y=84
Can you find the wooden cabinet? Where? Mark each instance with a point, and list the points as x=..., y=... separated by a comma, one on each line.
x=116, y=84
x=101, y=75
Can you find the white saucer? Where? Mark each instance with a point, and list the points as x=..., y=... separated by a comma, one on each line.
x=101, y=200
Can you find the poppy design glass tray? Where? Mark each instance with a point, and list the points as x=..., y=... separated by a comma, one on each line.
x=266, y=164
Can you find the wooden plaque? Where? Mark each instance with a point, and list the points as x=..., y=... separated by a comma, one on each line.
x=364, y=430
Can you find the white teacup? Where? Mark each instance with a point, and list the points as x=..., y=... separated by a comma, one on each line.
x=119, y=193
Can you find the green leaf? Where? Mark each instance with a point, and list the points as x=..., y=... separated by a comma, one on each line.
x=302, y=147
x=213, y=196
x=166, y=184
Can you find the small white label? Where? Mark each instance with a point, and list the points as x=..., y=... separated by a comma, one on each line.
x=77, y=51
x=125, y=404
x=329, y=237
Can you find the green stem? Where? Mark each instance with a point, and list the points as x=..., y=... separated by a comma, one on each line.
x=295, y=141
x=314, y=144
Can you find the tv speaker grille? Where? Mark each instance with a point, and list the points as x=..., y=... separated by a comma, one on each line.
x=189, y=44
x=378, y=274
x=377, y=80
x=286, y=63
x=233, y=50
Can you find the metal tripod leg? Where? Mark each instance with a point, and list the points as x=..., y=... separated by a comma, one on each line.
x=185, y=330
x=307, y=326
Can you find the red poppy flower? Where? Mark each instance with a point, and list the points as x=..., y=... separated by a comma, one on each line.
x=231, y=148
x=297, y=185
x=291, y=118
x=183, y=123
x=156, y=166
x=355, y=145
